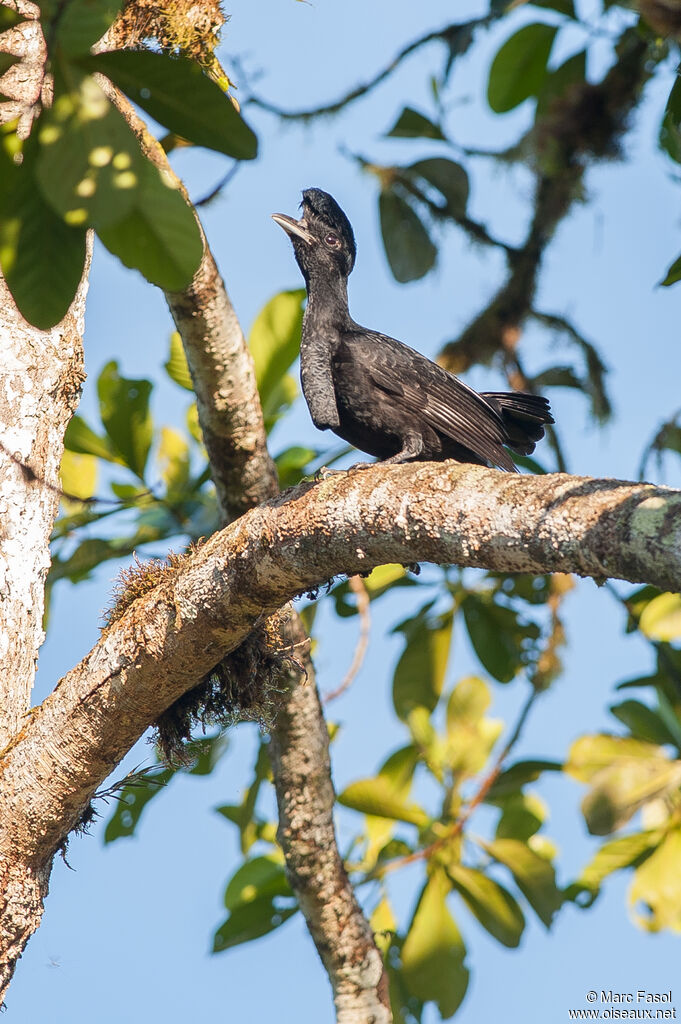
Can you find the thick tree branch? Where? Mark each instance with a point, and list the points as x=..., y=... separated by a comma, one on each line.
x=466, y=515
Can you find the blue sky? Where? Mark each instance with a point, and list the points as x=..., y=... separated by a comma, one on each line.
x=126, y=934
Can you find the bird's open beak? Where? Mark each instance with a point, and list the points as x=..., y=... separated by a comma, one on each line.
x=293, y=227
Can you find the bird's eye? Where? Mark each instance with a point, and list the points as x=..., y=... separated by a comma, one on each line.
x=332, y=240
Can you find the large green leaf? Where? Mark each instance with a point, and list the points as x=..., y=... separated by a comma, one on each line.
x=494, y=907
x=410, y=251
x=643, y=722
x=176, y=92
x=124, y=408
x=413, y=125
x=379, y=797
x=77, y=25
x=159, y=235
x=533, y=874
x=42, y=258
x=9, y=18
x=520, y=773
x=420, y=672
x=90, y=164
x=470, y=735
x=519, y=68
x=274, y=342
x=433, y=954
x=81, y=438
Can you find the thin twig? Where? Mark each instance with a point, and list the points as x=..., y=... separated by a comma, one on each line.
x=359, y=589
x=446, y=35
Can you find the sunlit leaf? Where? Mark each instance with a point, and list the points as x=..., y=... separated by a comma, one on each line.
x=173, y=457
x=520, y=773
x=382, y=578
x=523, y=814
x=470, y=736
x=274, y=342
x=614, y=856
x=292, y=463
x=519, y=68
x=661, y=618
x=177, y=93
x=656, y=889
x=383, y=924
x=176, y=366
x=378, y=797
x=41, y=257
x=433, y=954
x=78, y=474
x=494, y=907
x=410, y=251
x=124, y=409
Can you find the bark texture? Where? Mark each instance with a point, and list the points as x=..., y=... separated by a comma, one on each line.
x=41, y=373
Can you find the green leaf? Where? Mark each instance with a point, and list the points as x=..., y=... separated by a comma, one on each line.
x=250, y=921
x=379, y=797
x=498, y=635
x=7, y=60
x=533, y=874
x=176, y=92
x=79, y=24
x=159, y=236
x=382, y=578
x=132, y=801
x=643, y=722
x=383, y=924
x=589, y=755
x=124, y=408
x=670, y=129
x=657, y=886
x=449, y=178
x=176, y=365
x=291, y=464
x=410, y=251
x=470, y=736
x=396, y=773
x=523, y=814
x=614, y=856
x=661, y=618
x=433, y=954
x=78, y=474
x=519, y=774
x=420, y=672
x=274, y=342
x=9, y=18
x=258, y=878
x=494, y=907
x=519, y=68
x=566, y=7
x=174, y=464
x=81, y=438
x=558, y=81
x=42, y=258
x=90, y=163
x=413, y=125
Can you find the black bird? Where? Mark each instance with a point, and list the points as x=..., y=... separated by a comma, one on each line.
x=376, y=393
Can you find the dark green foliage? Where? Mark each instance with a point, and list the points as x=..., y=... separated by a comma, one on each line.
x=519, y=68
x=408, y=246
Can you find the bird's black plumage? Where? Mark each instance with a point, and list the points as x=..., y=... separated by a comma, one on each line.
x=376, y=393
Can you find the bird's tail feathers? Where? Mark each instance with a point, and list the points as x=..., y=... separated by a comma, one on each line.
x=524, y=417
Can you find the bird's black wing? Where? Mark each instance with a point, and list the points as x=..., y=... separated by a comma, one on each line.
x=432, y=395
